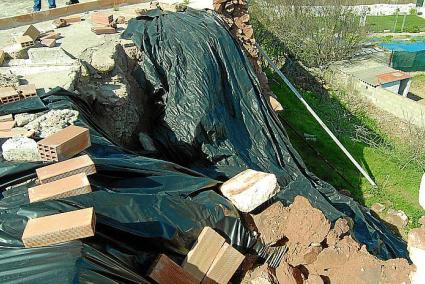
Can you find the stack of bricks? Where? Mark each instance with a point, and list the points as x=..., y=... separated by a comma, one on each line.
x=64, y=144
x=10, y=94
x=61, y=180
x=235, y=15
x=211, y=260
x=103, y=23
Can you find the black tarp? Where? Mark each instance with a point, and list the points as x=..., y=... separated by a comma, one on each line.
x=212, y=122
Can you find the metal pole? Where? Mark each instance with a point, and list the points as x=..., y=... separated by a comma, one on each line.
x=322, y=124
x=404, y=20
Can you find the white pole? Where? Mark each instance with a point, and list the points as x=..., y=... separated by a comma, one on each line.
x=322, y=124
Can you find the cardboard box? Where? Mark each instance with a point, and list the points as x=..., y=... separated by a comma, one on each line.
x=64, y=144
x=59, y=228
x=32, y=32
x=66, y=187
x=102, y=18
x=166, y=271
x=82, y=164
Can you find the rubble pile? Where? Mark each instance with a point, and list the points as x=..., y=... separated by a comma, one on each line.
x=235, y=15
x=317, y=251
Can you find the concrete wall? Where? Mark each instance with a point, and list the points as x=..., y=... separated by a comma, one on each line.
x=393, y=87
x=399, y=106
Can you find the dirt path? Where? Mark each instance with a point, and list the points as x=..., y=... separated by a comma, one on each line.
x=10, y=8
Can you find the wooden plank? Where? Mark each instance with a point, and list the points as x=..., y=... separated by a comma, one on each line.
x=66, y=187
x=82, y=164
x=224, y=266
x=166, y=271
x=51, y=14
x=203, y=253
x=59, y=228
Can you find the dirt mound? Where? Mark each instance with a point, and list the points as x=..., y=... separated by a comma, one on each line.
x=318, y=252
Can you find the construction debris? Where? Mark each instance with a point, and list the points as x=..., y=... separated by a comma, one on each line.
x=166, y=271
x=20, y=149
x=82, y=164
x=101, y=18
x=25, y=41
x=397, y=218
x=60, y=23
x=416, y=247
x=59, y=228
x=48, y=42
x=32, y=32
x=6, y=117
x=7, y=125
x=9, y=95
x=64, y=144
x=16, y=132
x=49, y=123
x=72, y=19
x=65, y=187
x=2, y=56
x=250, y=189
x=103, y=30
x=27, y=91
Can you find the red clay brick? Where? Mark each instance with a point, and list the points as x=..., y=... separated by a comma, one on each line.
x=25, y=41
x=48, y=42
x=103, y=30
x=72, y=19
x=166, y=271
x=101, y=18
x=66, y=187
x=59, y=228
x=7, y=125
x=27, y=90
x=64, y=144
x=8, y=95
x=82, y=164
x=32, y=32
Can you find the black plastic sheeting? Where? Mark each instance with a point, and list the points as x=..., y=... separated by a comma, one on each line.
x=212, y=123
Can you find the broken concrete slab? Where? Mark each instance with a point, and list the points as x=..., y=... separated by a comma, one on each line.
x=49, y=56
x=51, y=122
x=20, y=149
x=23, y=119
x=250, y=189
x=8, y=79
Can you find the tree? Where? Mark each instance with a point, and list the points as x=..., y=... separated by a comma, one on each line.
x=312, y=33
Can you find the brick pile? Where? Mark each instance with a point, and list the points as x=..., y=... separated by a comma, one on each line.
x=235, y=15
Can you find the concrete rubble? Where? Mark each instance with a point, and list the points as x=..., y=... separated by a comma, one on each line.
x=49, y=123
x=20, y=149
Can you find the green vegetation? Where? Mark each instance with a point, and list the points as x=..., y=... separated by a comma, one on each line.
x=398, y=182
x=379, y=24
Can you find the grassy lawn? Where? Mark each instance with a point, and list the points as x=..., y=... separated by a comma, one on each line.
x=378, y=24
x=398, y=186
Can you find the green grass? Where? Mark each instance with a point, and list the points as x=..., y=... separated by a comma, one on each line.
x=397, y=188
x=378, y=24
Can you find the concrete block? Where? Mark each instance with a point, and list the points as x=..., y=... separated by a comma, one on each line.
x=250, y=189
x=64, y=144
x=59, y=228
x=201, y=256
x=66, y=187
x=82, y=164
x=32, y=32
x=166, y=271
x=20, y=149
